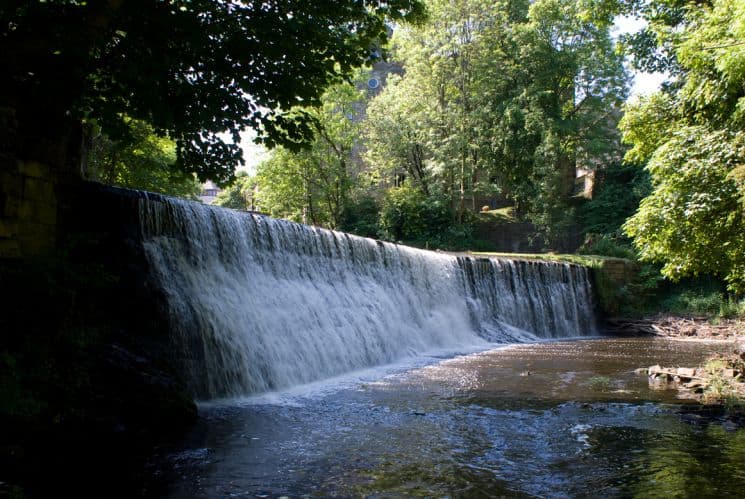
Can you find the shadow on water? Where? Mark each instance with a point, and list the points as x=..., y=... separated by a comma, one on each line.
x=565, y=419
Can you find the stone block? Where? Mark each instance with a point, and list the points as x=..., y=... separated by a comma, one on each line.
x=36, y=239
x=34, y=169
x=619, y=271
x=37, y=212
x=7, y=229
x=9, y=248
x=11, y=206
x=686, y=372
x=38, y=189
x=11, y=183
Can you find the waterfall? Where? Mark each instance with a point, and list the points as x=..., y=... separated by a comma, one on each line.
x=548, y=299
x=258, y=304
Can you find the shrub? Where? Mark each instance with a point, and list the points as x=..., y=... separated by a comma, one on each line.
x=617, y=194
x=408, y=215
x=361, y=217
x=731, y=308
x=705, y=296
x=607, y=245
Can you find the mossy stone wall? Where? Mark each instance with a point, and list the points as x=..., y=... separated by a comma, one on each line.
x=620, y=271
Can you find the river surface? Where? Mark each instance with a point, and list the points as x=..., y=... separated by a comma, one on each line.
x=559, y=419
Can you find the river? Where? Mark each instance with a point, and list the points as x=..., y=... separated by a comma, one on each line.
x=552, y=419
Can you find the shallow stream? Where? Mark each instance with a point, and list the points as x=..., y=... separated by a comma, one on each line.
x=558, y=419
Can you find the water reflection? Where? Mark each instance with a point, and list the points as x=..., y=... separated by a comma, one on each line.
x=702, y=460
x=567, y=419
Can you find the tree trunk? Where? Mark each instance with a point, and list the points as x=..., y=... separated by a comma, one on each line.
x=567, y=175
x=462, y=193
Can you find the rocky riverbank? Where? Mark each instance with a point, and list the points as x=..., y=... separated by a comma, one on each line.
x=678, y=327
x=719, y=381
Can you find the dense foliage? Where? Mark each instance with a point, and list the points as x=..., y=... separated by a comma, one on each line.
x=616, y=196
x=241, y=194
x=312, y=185
x=408, y=215
x=499, y=103
x=192, y=68
x=139, y=160
x=690, y=135
x=502, y=100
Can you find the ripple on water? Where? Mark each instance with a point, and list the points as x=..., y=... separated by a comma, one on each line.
x=580, y=424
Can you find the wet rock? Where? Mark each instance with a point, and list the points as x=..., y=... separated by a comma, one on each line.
x=730, y=426
x=740, y=348
x=659, y=374
x=697, y=385
x=641, y=371
x=684, y=394
x=686, y=372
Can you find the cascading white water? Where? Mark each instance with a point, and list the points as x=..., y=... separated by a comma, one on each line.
x=258, y=304
x=551, y=300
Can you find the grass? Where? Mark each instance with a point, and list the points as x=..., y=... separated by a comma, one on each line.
x=592, y=261
x=500, y=215
x=600, y=383
x=725, y=390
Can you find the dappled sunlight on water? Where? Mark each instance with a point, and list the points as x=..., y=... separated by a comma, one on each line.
x=558, y=419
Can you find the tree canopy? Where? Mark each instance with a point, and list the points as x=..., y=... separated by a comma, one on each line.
x=691, y=137
x=241, y=195
x=505, y=98
x=194, y=69
x=312, y=185
x=141, y=160
x=490, y=100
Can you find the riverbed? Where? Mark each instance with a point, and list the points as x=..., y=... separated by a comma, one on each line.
x=557, y=419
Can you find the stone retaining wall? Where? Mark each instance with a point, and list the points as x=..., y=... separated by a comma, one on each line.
x=620, y=271
x=28, y=208
x=516, y=237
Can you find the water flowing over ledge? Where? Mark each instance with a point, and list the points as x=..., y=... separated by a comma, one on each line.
x=258, y=304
